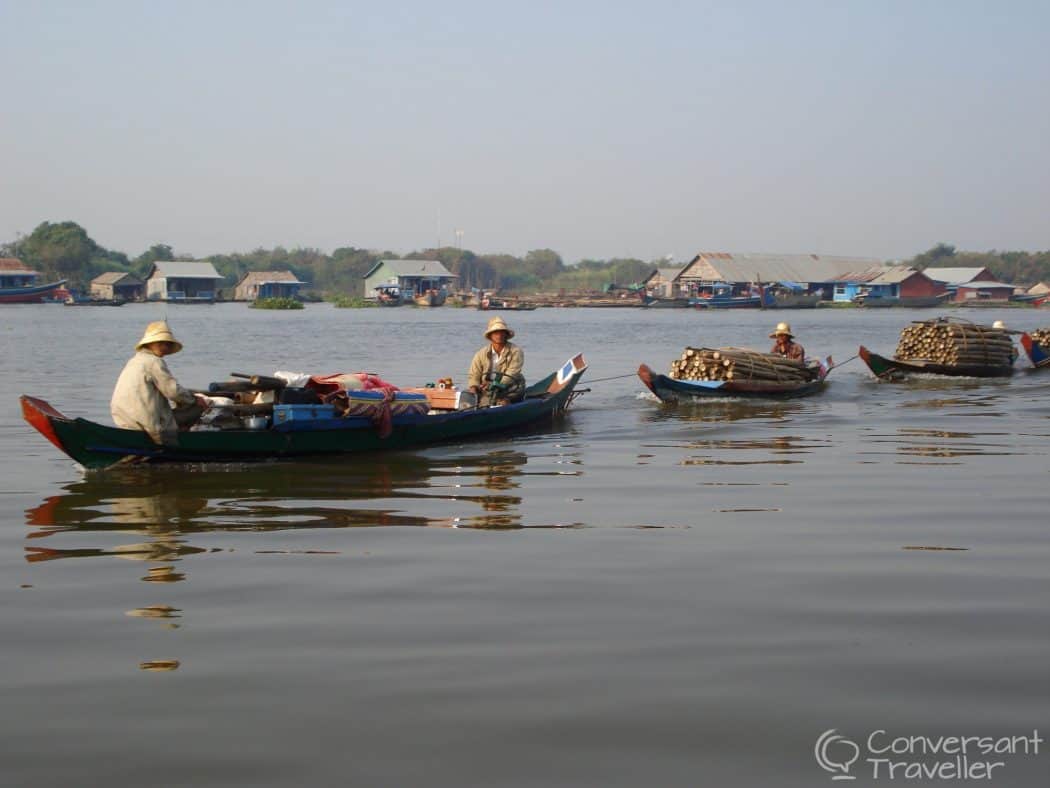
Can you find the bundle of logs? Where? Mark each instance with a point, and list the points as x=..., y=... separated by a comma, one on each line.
x=951, y=343
x=738, y=364
x=1042, y=336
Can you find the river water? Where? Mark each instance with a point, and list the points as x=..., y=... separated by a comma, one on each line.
x=634, y=595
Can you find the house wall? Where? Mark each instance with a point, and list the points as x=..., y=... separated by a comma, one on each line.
x=920, y=285
x=990, y=293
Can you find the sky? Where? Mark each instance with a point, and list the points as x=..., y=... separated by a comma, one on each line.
x=598, y=129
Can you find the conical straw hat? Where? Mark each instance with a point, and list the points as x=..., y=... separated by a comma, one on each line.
x=158, y=331
x=497, y=324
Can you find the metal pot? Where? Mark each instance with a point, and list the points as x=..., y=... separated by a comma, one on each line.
x=256, y=423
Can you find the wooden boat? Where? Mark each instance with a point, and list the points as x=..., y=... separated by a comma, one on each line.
x=669, y=389
x=389, y=295
x=914, y=302
x=796, y=300
x=99, y=446
x=30, y=294
x=489, y=303
x=430, y=297
x=95, y=302
x=662, y=302
x=1037, y=354
x=891, y=368
x=722, y=298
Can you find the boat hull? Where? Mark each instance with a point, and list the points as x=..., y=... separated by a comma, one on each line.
x=98, y=446
x=1037, y=354
x=890, y=368
x=29, y=295
x=669, y=389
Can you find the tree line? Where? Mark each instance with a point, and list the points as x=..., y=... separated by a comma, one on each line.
x=64, y=250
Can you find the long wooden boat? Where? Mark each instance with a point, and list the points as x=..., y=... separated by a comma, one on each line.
x=489, y=304
x=32, y=294
x=669, y=389
x=96, y=445
x=430, y=298
x=891, y=368
x=663, y=302
x=719, y=301
x=1037, y=354
x=914, y=302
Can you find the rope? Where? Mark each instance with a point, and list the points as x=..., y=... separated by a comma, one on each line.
x=614, y=377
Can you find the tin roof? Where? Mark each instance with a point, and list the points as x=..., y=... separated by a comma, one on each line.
x=953, y=276
x=982, y=284
x=425, y=268
x=116, y=277
x=881, y=275
x=774, y=267
x=269, y=278
x=184, y=269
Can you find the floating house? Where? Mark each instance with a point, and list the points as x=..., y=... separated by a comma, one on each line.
x=897, y=282
x=117, y=286
x=412, y=277
x=662, y=282
x=194, y=281
x=971, y=284
x=816, y=273
x=267, y=284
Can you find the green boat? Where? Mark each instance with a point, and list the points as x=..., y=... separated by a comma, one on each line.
x=896, y=369
x=97, y=446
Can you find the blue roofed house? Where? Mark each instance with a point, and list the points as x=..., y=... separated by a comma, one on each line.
x=181, y=280
x=413, y=277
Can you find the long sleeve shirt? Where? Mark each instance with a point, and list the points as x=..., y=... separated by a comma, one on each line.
x=510, y=362
x=142, y=394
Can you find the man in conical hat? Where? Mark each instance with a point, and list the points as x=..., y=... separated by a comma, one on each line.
x=146, y=389
x=785, y=345
x=495, y=370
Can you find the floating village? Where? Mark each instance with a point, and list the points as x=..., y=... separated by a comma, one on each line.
x=252, y=417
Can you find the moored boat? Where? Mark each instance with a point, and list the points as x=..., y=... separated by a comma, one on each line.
x=892, y=368
x=97, y=446
x=33, y=294
x=669, y=389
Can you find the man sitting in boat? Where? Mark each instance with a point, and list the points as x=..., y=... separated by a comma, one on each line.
x=784, y=344
x=145, y=387
x=495, y=370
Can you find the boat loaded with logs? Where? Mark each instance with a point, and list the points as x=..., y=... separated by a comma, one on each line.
x=266, y=419
x=702, y=373
x=946, y=346
x=1036, y=346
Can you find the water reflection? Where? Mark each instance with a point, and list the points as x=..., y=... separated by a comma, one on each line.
x=722, y=410
x=171, y=504
x=925, y=446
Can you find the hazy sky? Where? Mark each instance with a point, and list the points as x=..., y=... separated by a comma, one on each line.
x=597, y=129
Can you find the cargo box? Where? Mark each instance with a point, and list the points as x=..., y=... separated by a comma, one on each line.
x=284, y=414
x=447, y=399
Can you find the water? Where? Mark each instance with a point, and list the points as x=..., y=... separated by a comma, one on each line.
x=635, y=595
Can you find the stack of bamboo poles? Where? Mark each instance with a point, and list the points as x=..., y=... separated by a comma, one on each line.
x=951, y=343
x=1042, y=336
x=737, y=364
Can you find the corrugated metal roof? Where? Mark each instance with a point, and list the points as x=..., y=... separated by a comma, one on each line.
x=775, y=267
x=427, y=268
x=983, y=283
x=185, y=269
x=113, y=277
x=894, y=275
x=269, y=278
x=953, y=276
